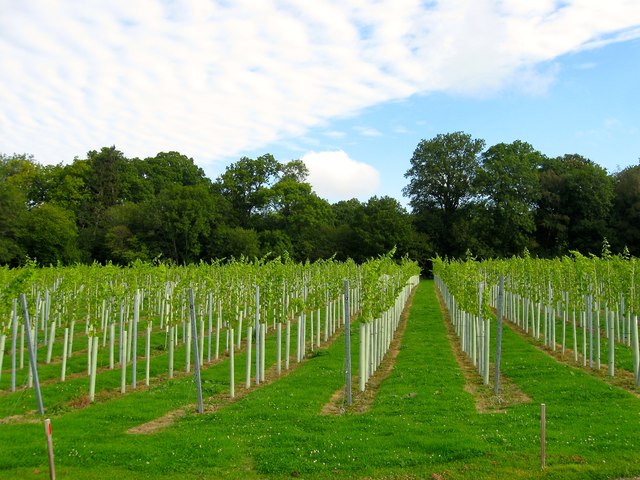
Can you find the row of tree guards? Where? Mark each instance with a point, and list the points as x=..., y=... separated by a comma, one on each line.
x=474, y=329
x=583, y=307
x=118, y=318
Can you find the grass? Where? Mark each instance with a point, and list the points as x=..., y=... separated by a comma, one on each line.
x=423, y=424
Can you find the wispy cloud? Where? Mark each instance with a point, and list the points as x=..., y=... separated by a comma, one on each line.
x=587, y=66
x=402, y=130
x=608, y=129
x=368, y=131
x=335, y=176
x=334, y=134
x=214, y=78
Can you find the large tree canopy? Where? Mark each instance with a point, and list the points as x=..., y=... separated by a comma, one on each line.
x=442, y=184
x=574, y=208
x=509, y=185
x=443, y=171
x=244, y=184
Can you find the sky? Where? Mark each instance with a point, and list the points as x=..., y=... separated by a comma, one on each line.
x=348, y=86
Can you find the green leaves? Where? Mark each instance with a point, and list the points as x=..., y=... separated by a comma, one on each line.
x=443, y=171
x=380, y=281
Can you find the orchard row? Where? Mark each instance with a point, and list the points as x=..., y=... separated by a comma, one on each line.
x=588, y=305
x=129, y=317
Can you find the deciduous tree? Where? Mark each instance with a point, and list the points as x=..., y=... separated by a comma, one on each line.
x=509, y=184
x=441, y=186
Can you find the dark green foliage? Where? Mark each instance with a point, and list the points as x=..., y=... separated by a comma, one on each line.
x=626, y=210
x=511, y=197
x=442, y=188
x=494, y=203
x=574, y=208
x=509, y=183
x=50, y=235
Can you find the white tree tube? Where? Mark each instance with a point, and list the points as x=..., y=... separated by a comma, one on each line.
x=597, y=333
x=187, y=360
x=70, y=350
x=612, y=347
x=112, y=343
x=201, y=343
x=2, y=343
x=94, y=369
x=232, y=373
x=248, y=366
x=326, y=325
x=304, y=335
x=258, y=348
x=287, y=345
x=210, y=326
x=312, y=327
x=171, y=335
x=123, y=367
x=584, y=339
x=575, y=336
x=487, y=347
x=263, y=341
x=218, y=327
x=52, y=336
x=279, y=347
x=134, y=337
x=89, y=350
x=635, y=348
x=147, y=354
x=63, y=373
x=565, y=318
x=14, y=341
x=362, y=376
x=298, y=339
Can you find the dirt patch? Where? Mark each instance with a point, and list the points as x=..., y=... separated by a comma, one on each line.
x=335, y=406
x=486, y=401
x=27, y=418
x=158, y=423
x=362, y=401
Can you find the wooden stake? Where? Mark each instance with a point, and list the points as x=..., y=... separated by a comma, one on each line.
x=48, y=433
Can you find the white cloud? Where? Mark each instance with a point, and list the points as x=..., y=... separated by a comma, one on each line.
x=215, y=78
x=335, y=176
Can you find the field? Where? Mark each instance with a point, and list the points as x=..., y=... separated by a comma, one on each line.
x=423, y=422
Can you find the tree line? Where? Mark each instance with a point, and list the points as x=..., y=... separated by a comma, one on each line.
x=493, y=202
x=499, y=201
x=110, y=208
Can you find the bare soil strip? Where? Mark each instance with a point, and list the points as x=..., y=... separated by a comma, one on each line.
x=362, y=401
x=623, y=379
x=26, y=418
x=485, y=400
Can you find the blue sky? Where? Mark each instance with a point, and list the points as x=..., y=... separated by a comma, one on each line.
x=349, y=86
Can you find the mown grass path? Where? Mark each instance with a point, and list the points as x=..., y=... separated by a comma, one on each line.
x=422, y=424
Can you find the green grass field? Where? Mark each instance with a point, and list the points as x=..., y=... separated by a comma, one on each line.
x=423, y=424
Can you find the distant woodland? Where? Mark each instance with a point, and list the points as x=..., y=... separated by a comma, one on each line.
x=465, y=199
